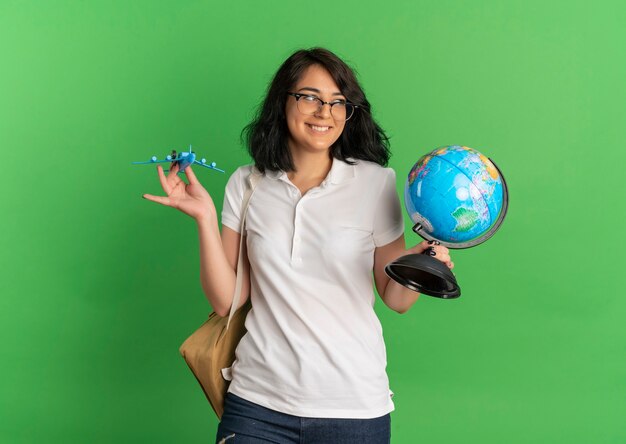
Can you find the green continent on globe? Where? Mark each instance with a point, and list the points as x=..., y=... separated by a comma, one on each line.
x=465, y=219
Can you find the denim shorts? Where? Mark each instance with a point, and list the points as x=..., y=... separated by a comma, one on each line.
x=246, y=422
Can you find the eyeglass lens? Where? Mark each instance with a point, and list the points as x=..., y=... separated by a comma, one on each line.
x=311, y=105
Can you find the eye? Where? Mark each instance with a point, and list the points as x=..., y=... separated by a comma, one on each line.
x=339, y=102
x=309, y=98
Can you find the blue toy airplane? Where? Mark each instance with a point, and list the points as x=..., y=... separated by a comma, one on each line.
x=184, y=159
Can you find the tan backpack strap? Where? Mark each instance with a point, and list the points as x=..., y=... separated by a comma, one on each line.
x=253, y=180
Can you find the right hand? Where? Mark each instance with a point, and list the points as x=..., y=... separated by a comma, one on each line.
x=192, y=198
x=436, y=250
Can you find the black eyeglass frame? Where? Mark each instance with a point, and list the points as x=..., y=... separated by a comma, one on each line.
x=298, y=96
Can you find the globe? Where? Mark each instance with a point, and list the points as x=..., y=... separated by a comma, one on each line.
x=456, y=195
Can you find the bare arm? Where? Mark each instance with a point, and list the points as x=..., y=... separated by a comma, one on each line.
x=218, y=256
x=218, y=264
x=396, y=296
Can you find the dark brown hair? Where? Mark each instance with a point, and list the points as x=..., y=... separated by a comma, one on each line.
x=266, y=136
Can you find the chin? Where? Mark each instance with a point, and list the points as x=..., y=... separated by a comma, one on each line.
x=322, y=146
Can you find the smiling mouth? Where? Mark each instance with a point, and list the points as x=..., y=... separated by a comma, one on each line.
x=319, y=128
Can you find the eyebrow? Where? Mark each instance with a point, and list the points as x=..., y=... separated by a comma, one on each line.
x=318, y=91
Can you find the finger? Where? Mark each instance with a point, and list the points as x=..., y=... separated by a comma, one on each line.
x=174, y=167
x=438, y=253
x=158, y=199
x=420, y=248
x=431, y=244
x=443, y=257
x=450, y=265
x=164, y=184
x=191, y=175
x=441, y=250
x=172, y=177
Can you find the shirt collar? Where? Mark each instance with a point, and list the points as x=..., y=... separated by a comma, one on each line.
x=340, y=172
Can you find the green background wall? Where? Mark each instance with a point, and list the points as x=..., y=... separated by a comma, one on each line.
x=100, y=287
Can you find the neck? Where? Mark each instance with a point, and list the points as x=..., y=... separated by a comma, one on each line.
x=310, y=165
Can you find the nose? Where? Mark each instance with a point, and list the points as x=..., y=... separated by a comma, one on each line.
x=323, y=111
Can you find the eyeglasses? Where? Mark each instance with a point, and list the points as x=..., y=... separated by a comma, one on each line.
x=310, y=105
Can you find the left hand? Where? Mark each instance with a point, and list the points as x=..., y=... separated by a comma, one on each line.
x=190, y=198
x=441, y=252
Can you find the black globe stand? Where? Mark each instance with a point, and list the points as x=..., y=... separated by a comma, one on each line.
x=424, y=274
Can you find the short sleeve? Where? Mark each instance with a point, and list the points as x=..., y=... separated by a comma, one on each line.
x=388, y=221
x=233, y=199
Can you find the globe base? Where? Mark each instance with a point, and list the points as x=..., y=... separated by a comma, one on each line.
x=424, y=274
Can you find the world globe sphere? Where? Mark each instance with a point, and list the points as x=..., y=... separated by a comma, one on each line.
x=456, y=195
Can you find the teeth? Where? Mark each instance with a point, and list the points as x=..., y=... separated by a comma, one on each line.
x=320, y=128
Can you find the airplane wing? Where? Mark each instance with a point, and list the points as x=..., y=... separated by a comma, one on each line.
x=210, y=166
x=154, y=161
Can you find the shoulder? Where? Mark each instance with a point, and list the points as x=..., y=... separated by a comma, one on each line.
x=238, y=177
x=371, y=171
x=243, y=171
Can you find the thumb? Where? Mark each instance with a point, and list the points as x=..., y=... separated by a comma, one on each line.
x=191, y=175
x=158, y=199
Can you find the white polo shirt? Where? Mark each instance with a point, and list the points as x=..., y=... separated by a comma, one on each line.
x=314, y=345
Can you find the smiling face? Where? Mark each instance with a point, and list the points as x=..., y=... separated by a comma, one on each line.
x=317, y=132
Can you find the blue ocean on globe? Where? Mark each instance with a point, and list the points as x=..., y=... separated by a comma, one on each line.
x=455, y=193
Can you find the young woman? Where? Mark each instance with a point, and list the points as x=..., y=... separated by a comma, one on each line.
x=323, y=219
